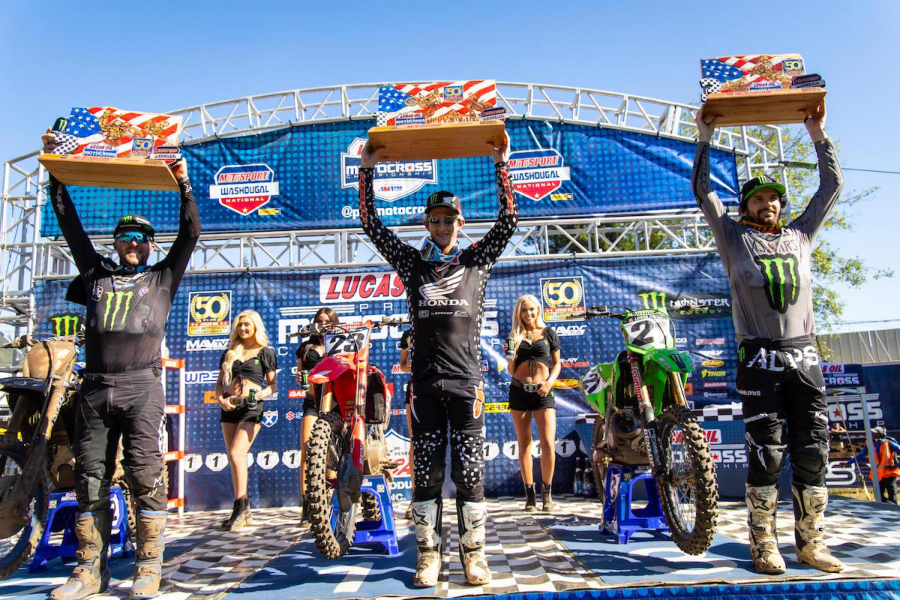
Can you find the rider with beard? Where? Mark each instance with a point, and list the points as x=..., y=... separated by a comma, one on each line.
x=128, y=305
x=445, y=292
x=779, y=378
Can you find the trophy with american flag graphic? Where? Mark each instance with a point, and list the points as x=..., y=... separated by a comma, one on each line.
x=446, y=119
x=759, y=89
x=107, y=147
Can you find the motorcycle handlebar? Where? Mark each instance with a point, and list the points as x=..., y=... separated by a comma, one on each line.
x=313, y=328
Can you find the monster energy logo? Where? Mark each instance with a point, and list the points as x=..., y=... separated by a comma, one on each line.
x=65, y=324
x=741, y=354
x=782, y=280
x=114, y=305
x=654, y=300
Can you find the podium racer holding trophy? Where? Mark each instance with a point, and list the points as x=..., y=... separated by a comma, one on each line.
x=779, y=377
x=128, y=305
x=445, y=291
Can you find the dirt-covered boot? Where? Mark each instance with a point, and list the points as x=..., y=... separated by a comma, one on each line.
x=427, y=517
x=762, y=502
x=91, y=574
x=472, y=518
x=530, y=498
x=809, y=529
x=547, y=497
x=149, y=555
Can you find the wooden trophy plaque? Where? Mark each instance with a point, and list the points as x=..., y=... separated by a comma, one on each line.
x=759, y=89
x=107, y=147
x=437, y=120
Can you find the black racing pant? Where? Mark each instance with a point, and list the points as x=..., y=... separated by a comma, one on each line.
x=127, y=405
x=438, y=406
x=888, y=487
x=780, y=383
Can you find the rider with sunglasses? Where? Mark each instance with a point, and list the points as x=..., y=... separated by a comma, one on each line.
x=445, y=292
x=128, y=304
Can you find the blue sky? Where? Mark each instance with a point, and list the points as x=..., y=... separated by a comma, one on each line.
x=172, y=55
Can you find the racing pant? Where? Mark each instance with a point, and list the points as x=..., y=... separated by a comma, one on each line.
x=127, y=405
x=438, y=405
x=888, y=487
x=780, y=383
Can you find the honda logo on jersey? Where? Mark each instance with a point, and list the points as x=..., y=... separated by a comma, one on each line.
x=436, y=293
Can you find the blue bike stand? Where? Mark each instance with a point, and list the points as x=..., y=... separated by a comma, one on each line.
x=618, y=517
x=378, y=532
x=62, y=509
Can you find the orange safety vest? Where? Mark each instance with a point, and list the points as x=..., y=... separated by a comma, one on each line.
x=884, y=460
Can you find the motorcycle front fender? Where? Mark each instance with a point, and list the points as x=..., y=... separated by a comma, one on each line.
x=330, y=369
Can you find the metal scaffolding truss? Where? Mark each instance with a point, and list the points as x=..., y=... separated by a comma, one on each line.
x=25, y=257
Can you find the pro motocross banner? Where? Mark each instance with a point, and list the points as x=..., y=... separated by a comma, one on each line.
x=306, y=177
x=206, y=306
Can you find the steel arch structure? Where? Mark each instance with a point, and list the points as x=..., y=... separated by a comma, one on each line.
x=26, y=257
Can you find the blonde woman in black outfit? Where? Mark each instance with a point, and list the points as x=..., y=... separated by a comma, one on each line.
x=534, y=364
x=309, y=354
x=248, y=364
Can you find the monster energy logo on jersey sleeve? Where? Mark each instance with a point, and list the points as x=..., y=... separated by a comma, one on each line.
x=117, y=303
x=782, y=280
x=65, y=324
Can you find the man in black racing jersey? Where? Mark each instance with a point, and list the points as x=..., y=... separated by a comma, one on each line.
x=128, y=305
x=445, y=292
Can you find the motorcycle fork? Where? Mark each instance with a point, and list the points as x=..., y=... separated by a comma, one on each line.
x=677, y=389
x=645, y=413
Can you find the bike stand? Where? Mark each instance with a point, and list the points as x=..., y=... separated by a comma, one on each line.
x=618, y=517
x=378, y=532
x=61, y=518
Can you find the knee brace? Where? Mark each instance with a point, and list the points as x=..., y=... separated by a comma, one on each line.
x=429, y=450
x=809, y=463
x=765, y=454
x=147, y=486
x=467, y=465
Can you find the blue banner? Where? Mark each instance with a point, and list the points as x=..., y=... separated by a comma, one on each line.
x=306, y=177
x=205, y=306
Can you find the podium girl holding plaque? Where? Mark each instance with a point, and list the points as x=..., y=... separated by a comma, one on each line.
x=532, y=351
x=246, y=378
x=128, y=304
x=445, y=292
x=779, y=377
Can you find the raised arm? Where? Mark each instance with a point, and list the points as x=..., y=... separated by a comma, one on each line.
x=188, y=226
x=831, y=180
x=398, y=253
x=491, y=246
x=707, y=199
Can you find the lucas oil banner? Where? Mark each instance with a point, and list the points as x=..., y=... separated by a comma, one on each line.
x=206, y=306
x=307, y=176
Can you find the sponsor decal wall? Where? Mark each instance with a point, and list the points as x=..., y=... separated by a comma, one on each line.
x=206, y=305
x=307, y=176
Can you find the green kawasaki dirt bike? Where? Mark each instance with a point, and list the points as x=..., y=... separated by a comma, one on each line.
x=645, y=420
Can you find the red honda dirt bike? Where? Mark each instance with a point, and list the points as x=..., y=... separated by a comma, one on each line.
x=347, y=440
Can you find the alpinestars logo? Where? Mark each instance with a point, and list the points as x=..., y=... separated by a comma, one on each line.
x=116, y=303
x=435, y=294
x=782, y=280
x=65, y=324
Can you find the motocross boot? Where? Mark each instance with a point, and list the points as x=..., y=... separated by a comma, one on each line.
x=809, y=529
x=427, y=518
x=149, y=558
x=761, y=508
x=91, y=574
x=472, y=517
x=240, y=517
x=547, y=498
x=530, y=498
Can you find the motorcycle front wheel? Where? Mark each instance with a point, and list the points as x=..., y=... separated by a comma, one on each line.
x=20, y=542
x=332, y=528
x=688, y=490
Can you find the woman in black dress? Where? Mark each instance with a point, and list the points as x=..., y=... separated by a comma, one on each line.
x=248, y=365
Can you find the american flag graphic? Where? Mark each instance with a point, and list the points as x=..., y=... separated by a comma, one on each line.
x=429, y=100
x=729, y=68
x=119, y=128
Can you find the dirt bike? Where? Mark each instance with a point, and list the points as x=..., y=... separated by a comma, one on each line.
x=347, y=440
x=43, y=456
x=645, y=420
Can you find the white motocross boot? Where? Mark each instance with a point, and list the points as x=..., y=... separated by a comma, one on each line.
x=427, y=517
x=809, y=529
x=472, y=519
x=761, y=507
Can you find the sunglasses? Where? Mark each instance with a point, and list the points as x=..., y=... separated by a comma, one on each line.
x=448, y=220
x=133, y=236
